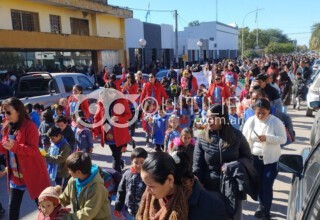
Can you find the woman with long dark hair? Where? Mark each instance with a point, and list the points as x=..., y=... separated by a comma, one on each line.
x=26, y=168
x=77, y=92
x=174, y=193
x=219, y=143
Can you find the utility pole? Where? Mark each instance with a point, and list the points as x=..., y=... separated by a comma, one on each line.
x=176, y=29
x=216, y=10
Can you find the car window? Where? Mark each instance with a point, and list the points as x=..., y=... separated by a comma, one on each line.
x=312, y=168
x=85, y=83
x=68, y=83
x=314, y=211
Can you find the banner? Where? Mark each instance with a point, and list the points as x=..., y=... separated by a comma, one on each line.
x=202, y=79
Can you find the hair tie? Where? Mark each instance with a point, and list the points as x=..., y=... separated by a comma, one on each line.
x=175, y=157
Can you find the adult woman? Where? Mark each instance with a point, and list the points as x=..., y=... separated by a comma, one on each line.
x=26, y=167
x=173, y=193
x=192, y=83
x=218, y=91
x=131, y=87
x=77, y=92
x=285, y=85
x=153, y=89
x=220, y=143
x=265, y=133
x=113, y=126
x=272, y=92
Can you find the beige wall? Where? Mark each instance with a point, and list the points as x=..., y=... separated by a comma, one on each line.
x=103, y=26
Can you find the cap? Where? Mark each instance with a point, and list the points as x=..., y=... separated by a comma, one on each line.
x=51, y=193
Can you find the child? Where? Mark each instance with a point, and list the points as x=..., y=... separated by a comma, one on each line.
x=299, y=91
x=131, y=187
x=46, y=124
x=83, y=137
x=85, y=191
x=57, y=156
x=173, y=88
x=49, y=206
x=244, y=93
x=67, y=132
x=185, y=114
x=159, y=128
x=233, y=117
x=169, y=107
x=184, y=143
x=199, y=99
x=59, y=111
x=205, y=106
x=147, y=119
x=172, y=132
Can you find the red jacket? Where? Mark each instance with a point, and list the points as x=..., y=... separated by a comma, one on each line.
x=117, y=82
x=158, y=90
x=132, y=90
x=225, y=92
x=31, y=162
x=121, y=135
x=194, y=86
x=84, y=106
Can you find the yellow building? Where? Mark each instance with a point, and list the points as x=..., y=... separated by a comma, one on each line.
x=55, y=34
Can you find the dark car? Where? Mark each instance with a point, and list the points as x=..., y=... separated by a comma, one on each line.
x=304, y=198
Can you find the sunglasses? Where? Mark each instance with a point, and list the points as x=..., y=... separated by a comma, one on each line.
x=218, y=79
x=7, y=113
x=150, y=77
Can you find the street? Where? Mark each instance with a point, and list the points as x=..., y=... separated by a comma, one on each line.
x=302, y=126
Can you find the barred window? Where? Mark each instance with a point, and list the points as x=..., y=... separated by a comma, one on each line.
x=25, y=21
x=55, y=24
x=79, y=26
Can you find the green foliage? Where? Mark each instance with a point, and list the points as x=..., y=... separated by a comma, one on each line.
x=250, y=54
x=194, y=23
x=315, y=37
x=279, y=48
x=265, y=37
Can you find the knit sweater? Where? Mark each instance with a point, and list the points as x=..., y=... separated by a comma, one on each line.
x=275, y=133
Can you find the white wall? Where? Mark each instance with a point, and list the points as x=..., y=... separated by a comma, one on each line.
x=134, y=32
x=227, y=38
x=167, y=36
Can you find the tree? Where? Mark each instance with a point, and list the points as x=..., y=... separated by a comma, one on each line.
x=278, y=48
x=314, y=42
x=194, y=23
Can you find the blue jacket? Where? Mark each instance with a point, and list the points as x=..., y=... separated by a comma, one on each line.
x=34, y=116
x=84, y=139
x=160, y=125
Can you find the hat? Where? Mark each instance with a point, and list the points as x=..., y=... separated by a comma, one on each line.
x=51, y=193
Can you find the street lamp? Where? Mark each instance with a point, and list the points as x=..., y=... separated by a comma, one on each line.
x=199, y=44
x=242, y=43
x=142, y=43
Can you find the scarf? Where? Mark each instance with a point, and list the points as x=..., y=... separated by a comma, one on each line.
x=174, y=209
x=54, y=151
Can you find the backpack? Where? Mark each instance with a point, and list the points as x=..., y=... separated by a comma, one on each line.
x=111, y=179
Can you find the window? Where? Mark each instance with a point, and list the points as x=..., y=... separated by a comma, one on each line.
x=55, y=24
x=25, y=21
x=79, y=26
x=68, y=83
x=85, y=83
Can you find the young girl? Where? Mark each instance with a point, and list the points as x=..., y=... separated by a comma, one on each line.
x=172, y=132
x=46, y=124
x=159, y=128
x=149, y=110
x=185, y=143
x=184, y=114
x=49, y=206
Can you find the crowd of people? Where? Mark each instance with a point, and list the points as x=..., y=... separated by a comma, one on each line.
x=210, y=146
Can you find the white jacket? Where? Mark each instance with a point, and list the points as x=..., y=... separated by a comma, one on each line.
x=275, y=135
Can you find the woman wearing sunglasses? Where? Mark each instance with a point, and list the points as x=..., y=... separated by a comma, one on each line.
x=218, y=91
x=26, y=167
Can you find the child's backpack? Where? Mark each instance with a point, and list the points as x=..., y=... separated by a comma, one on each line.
x=111, y=179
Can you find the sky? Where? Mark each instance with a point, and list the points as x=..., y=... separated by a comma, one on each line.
x=293, y=17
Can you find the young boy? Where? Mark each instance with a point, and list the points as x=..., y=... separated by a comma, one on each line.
x=67, y=131
x=199, y=99
x=131, y=187
x=85, y=190
x=299, y=91
x=160, y=124
x=233, y=117
x=56, y=157
x=84, y=137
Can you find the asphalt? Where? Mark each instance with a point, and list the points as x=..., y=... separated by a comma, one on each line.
x=102, y=157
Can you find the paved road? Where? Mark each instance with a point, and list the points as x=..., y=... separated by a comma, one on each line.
x=302, y=126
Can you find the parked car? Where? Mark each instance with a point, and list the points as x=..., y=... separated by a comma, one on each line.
x=47, y=88
x=315, y=65
x=163, y=73
x=304, y=197
x=313, y=96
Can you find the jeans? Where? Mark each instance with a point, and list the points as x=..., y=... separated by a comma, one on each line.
x=284, y=109
x=116, y=155
x=268, y=174
x=277, y=104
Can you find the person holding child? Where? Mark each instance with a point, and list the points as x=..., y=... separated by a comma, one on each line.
x=85, y=191
x=131, y=187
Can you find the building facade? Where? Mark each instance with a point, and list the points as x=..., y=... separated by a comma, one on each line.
x=55, y=34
